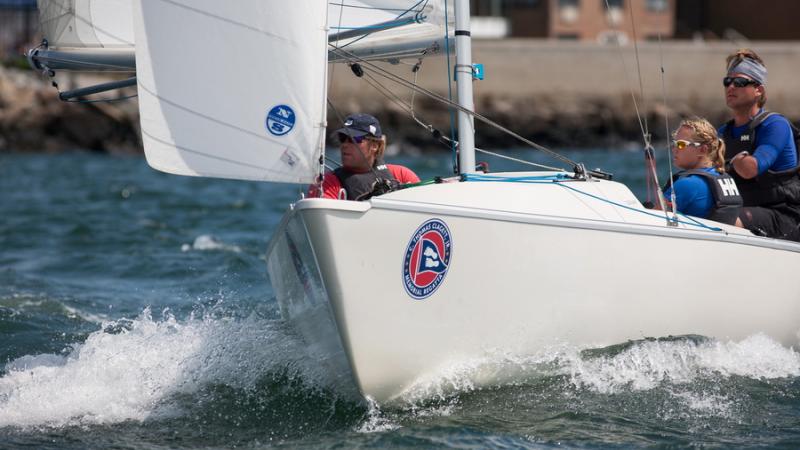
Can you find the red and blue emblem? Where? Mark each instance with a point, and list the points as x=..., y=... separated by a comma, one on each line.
x=427, y=259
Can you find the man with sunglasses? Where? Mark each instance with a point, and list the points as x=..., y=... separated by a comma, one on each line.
x=761, y=152
x=363, y=173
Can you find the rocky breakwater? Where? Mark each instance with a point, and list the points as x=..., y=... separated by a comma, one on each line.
x=33, y=119
x=573, y=94
x=558, y=94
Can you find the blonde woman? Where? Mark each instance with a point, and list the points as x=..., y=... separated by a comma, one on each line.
x=363, y=173
x=702, y=189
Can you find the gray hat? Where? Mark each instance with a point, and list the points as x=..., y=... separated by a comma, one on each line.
x=751, y=68
x=359, y=124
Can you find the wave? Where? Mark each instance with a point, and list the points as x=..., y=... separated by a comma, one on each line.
x=255, y=371
x=207, y=242
x=632, y=367
x=143, y=369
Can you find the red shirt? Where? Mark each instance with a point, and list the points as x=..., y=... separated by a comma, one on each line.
x=331, y=185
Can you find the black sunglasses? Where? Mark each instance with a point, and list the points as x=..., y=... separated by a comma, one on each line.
x=738, y=82
x=343, y=138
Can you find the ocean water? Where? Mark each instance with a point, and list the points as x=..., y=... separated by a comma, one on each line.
x=135, y=312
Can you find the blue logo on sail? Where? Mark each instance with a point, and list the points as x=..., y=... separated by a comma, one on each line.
x=280, y=120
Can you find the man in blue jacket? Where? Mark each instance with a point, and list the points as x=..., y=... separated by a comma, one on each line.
x=761, y=150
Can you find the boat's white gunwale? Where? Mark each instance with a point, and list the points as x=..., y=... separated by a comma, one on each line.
x=538, y=219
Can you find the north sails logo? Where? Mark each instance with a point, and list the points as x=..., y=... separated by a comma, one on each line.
x=280, y=120
x=427, y=259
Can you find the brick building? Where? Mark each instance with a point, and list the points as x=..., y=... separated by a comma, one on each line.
x=596, y=20
x=579, y=20
x=767, y=20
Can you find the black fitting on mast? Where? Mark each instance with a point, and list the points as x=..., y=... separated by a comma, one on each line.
x=357, y=70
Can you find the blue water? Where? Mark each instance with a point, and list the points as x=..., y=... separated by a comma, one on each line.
x=135, y=312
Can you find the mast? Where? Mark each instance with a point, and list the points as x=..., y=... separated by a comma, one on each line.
x=466, y=123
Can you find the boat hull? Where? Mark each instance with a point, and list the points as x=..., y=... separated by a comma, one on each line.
x=519, y=281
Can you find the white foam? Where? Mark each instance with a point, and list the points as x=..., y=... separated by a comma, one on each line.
x=132, y=375
x=26, y=302
x=704, y=404
x=376, y=421
x=88, y=317
x=648, y=364
x=642, y=366
x=207, y=242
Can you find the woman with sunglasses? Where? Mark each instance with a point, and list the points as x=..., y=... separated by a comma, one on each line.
x=363, y=173
x=702, y=189
x=761, y=151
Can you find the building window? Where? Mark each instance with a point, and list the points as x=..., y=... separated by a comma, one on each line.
x=613, y=4
x=568, y=11
x=486, y=7
x=613, y=10
x=657, y=5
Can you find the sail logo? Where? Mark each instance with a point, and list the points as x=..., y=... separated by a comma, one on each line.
x=427, y=259
x=280, y=120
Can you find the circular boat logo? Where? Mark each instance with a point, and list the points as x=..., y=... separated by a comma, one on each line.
x=427, y=259
x=280, y=120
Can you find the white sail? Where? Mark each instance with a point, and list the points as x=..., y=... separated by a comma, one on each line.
x=85, y=35
x=429, y=21
x=86, y=23
x=236, y=90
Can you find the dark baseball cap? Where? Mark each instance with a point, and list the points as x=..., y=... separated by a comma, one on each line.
x=357, y=125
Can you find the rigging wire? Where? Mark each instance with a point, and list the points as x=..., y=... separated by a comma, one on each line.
x=666, y=123
x=410, y=109
x=625, y=71
x=323, y=166
x=645, y=128
x=403, y=12
x=649, y=151
x=454, y=148
x=439, y=98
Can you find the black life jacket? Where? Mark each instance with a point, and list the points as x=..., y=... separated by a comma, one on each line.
x=771, y=187
x=727, y=200
x=361, y=186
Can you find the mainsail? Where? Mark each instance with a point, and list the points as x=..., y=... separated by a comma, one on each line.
x=426, y=24
x=86, y=35
x=232, y=89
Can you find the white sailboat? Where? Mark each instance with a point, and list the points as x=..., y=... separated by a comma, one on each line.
x=390, y=290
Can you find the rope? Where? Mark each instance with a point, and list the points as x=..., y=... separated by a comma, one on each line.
x=521, y=161
x=554, y=180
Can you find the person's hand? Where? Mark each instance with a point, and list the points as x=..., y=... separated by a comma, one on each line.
x=739, y=156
